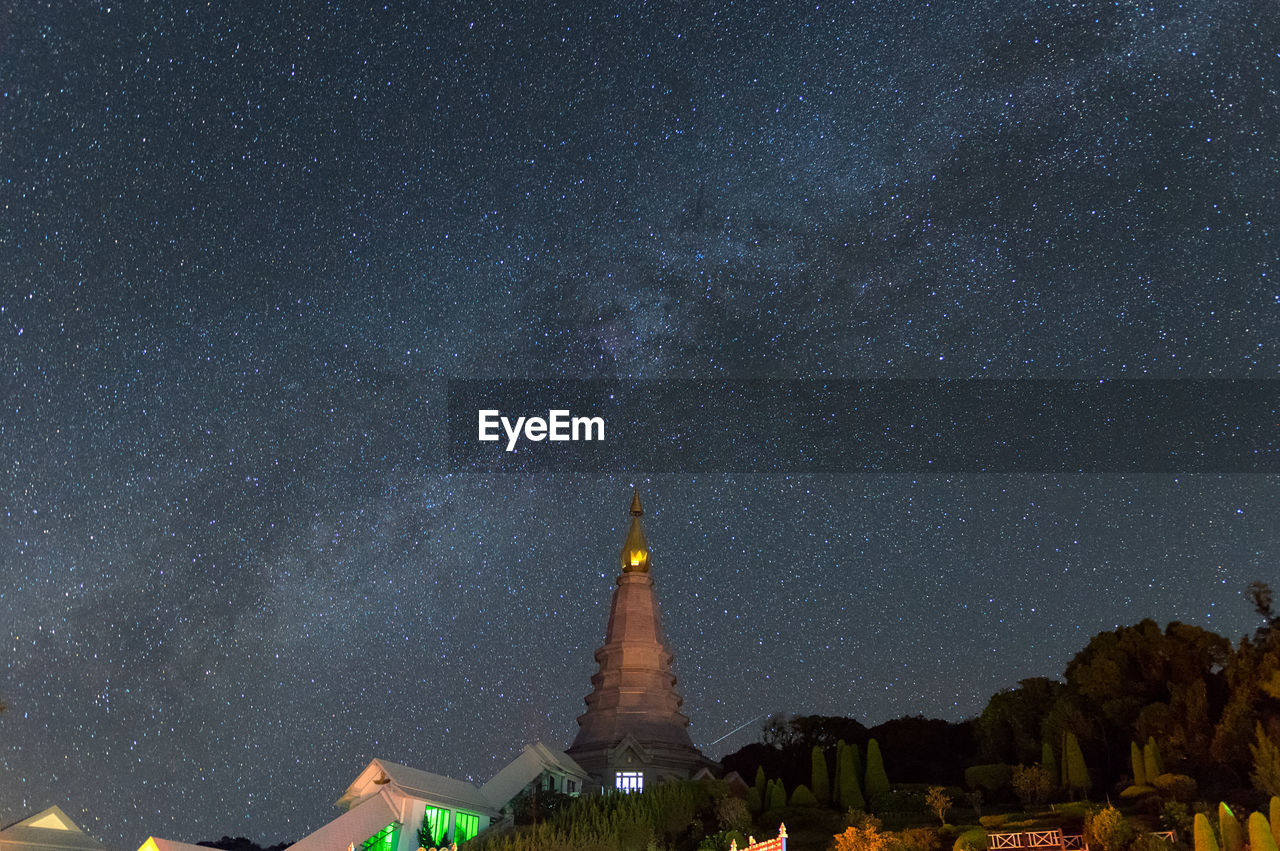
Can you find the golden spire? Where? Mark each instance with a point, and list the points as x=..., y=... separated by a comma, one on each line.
x=635, y=552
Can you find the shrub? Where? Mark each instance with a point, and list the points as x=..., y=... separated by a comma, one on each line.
x=1260, y=838
x=991, y=778
x=864, y=836
x=1205, y=840
x=1151, y=842
x=1137, y=791
x=1175, y=816
x=914, y=839
x=802, y=797
x=1109, y=830
x=973, y=839
x=1179, y=787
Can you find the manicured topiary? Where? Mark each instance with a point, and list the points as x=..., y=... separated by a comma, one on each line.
x=1139, y=765
x=777, y=795
x=1229, y=827
x=802, y=797
x=877, y=779
x=1077, y=773
x=989, y=778
x=820, y=781
x=1049, y=761
x=851, y=797
x=973, y=839
x=1204, y=838
x=1260, y=838
x=1151, y=760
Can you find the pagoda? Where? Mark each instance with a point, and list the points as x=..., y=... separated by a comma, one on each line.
x=633, y=732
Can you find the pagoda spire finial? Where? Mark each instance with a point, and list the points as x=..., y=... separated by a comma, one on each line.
x=635, y=552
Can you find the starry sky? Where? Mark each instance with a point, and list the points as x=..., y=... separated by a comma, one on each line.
x=247, y=246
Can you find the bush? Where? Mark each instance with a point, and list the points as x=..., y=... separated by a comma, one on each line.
x=1108, y=830
x=994, y=822
x=1137, y=791
x=914, y=839
x=802, y=797
x=1151, y=842
x=991, y=778
x=1175, y=816
x=1179, y=787
x=973, y=839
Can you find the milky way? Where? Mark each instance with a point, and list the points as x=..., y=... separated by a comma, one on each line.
x=246, y=249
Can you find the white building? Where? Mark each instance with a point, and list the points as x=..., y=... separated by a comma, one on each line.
x=49, y=830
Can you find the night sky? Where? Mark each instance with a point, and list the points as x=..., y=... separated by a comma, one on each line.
x=246, y=247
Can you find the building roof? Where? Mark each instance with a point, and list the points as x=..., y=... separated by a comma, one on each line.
x=155, y=843
x=516, y=775
x=362, y=820
x=51, y=828
x=415, y=783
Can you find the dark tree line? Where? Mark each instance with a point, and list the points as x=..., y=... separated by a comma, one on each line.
x=1212, y=707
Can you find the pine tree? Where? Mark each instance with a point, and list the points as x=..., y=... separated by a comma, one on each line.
x=877, y=779
x=1139, y=765
x=835, y=779
x=1048, y=761
x=1205, y=840
x=1266, y=762
x=760, y=782
x=1151, y=761
x=1260, y=837
x=1077, y=773
x=820, y=781
x=857, y=760
x=850, y=797
x=777, y=795
x=1229, y=827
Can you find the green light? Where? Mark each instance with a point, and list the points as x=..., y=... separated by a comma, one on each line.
x=466, y=826
x=383, y=840
x=436, y=821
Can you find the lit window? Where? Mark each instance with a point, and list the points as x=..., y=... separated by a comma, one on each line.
x=630, y=781
x=466, y=826
x=383, y=840
x=435, y=826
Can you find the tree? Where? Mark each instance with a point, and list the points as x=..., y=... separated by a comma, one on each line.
x=863, y=835
x=1032, y=784
x=1009, y=728
x=1049, y=762
x=821, y=780
x=802, y=797
x=1260, y=838
x=1205, y=840
x=1152, y=764
x=1229, y=827
x=1108, y=830
x=939, y=801
x=1266, y=762
x=1139, y=766
x=877, y=779
x=777, y=795
x=850, y=797
x=1076, y=772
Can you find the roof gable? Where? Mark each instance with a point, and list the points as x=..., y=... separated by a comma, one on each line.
x=382, y=775
x=51, y=819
